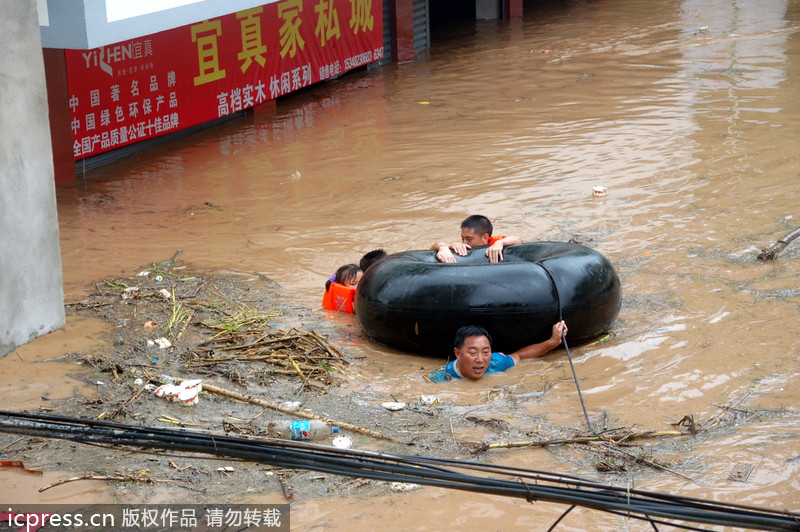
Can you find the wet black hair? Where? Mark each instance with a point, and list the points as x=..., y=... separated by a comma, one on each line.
x=470, y=330
x=343, y=274
x=478, y=223
x=371, y=258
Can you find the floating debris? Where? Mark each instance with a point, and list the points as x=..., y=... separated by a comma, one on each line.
x=130, y=292
x=404, y=486
x=342, y=442
x=428, y=400
x=163, y=343
x=741, y=472
x=186, y=393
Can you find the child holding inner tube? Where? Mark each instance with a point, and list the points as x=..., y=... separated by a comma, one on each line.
x=371, y=258
x=474, y=356
x=476, y=230
x=340, y=289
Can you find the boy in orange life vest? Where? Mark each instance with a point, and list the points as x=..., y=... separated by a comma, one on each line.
x=340, y=290
x=476, y=230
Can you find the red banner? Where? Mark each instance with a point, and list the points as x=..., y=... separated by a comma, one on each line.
x=146, y=87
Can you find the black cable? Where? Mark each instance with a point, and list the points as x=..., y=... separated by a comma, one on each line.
x=566, y=347
x=218, y=444
x=638, y=504
x=560, y=518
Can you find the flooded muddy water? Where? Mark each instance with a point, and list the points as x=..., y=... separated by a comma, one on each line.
x=687, y=111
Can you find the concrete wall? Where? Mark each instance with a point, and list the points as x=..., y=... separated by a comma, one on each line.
x=31, y=294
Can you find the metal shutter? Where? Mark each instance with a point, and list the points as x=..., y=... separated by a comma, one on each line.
x=422, y=26
x=387, y=31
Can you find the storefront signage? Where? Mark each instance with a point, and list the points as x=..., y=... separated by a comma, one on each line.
x=146, y=87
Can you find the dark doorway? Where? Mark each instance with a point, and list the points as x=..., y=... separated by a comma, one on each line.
x=450, y=18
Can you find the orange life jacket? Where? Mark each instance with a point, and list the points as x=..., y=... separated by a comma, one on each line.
x=493, y=239
x=339, y=297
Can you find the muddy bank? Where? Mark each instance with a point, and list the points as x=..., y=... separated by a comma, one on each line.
x=237, y=331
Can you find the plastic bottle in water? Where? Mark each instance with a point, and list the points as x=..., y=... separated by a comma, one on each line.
x=304, y=429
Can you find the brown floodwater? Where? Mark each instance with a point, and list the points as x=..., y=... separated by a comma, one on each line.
x=687, y=111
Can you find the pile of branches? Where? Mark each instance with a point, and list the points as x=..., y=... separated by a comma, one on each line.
x=216, y=324
x=305, y=354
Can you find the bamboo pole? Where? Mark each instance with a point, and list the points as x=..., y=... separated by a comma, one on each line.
x=588, y=439
x=300, y=413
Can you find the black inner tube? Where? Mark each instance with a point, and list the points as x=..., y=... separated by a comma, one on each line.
x=414, y=303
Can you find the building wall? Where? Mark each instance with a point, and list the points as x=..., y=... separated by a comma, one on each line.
x=31, y=294
x=55, y=71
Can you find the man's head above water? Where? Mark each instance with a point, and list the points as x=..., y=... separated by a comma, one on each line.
x=472, y=346
x=473, y=349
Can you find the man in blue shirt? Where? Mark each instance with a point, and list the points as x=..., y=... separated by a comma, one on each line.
x=474, y=357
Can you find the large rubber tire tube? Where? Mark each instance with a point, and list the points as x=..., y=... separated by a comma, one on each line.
x=412, y=302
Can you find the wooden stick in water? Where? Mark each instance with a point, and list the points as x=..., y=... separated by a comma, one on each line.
x=300, y=413
x=772, y=251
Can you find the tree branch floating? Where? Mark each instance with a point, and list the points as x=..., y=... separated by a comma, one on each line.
x=771, y=252
x=299, y=413
x=139, y=476
x=627, y=436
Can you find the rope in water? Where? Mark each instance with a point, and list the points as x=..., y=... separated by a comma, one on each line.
x=530, y=485
x=566, y=347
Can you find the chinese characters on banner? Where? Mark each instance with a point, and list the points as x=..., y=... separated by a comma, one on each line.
x=160, y=83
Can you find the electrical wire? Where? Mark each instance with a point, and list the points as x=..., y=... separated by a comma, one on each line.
x=530, y=485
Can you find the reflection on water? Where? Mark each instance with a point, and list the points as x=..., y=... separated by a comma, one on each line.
x=688, y=113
